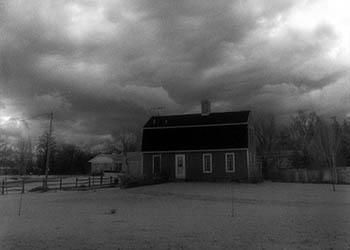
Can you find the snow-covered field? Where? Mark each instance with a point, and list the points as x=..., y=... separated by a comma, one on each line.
x=180, y=216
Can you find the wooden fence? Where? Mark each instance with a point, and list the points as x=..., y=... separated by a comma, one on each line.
x=25, y=185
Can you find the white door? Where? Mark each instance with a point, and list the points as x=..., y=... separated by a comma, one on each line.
x=180, y=167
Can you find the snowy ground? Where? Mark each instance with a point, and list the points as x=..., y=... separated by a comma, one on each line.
x=180, y=216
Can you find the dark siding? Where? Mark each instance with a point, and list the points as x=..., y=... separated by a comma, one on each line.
x=147, y=165
x=194, y=169
x=167, y=165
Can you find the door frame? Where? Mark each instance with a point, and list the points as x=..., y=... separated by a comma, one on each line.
x=184, y=164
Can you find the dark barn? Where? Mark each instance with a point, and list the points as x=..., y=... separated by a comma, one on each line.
x=206, y=146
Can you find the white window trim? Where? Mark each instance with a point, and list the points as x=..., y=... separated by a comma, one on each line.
x=211, y=163
x=234, y=163
x=160, y=163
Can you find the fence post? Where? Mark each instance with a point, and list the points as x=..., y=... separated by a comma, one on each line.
x=89, y=182
x=3, y=187
x=101, y=180
x=110, y=180
x=93, y=180
x=76, y=182
x=61, y=183
x=23, y=186
x=44, y=184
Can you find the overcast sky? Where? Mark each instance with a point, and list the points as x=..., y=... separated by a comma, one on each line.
x=102, y=65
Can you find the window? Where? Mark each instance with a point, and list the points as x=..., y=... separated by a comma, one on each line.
x=230, y=162
x=156, y=164
x=207, y=163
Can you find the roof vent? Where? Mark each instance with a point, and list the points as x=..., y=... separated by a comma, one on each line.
x=205, y=107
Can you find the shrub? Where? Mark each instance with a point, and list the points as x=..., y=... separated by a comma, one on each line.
x=130, y=181
x=37, y=189
x=127, y=181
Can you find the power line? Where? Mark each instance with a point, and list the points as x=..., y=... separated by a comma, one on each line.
x=12, y=120
x=36, y=116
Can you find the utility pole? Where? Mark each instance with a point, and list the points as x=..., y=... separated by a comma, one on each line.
x=47, y=168
x=334, y=171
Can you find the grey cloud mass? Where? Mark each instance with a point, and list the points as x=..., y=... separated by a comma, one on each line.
x=103, y=65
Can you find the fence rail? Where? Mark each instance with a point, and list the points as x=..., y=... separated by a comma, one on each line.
x=26, y=185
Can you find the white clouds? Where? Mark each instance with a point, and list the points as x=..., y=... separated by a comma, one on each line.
x=50, y=102
x=71, y=68
x=148, y=97
x=281, y=89
x=86, y=22
x=102, y=59
x=331, y=99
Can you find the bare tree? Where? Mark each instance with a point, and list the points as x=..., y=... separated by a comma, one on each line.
x=266, y=133
x=7, y=155
x=302, y=131
x=42, y=151
x=266, y=138
x=345, y=142
x=327, y=141
x=126, y=142
x=302, y=128
x=25, y=155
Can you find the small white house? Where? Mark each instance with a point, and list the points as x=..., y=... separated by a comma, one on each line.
x=117, y=163
x=106, y=162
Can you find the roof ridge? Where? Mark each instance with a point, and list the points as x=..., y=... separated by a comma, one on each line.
x=224, y=112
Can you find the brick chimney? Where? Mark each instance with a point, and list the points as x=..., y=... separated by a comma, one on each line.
x=205, y=107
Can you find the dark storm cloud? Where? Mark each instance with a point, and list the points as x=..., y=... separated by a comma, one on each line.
x=104, y=65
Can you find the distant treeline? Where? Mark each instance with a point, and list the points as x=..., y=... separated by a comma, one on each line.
x=314, y=141
x=64, y=158
x=22, y=158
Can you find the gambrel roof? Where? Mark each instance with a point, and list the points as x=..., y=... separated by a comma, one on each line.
x=226, y=130
x=198, y=119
